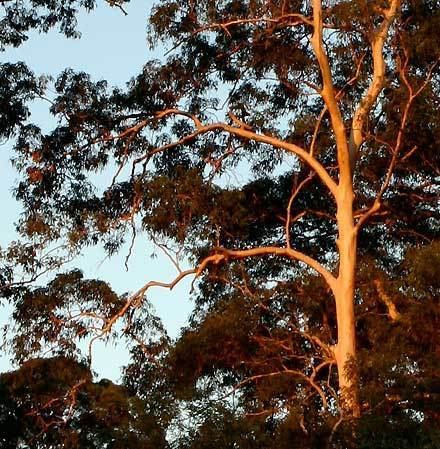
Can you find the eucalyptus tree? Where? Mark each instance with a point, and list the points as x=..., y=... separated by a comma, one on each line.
x=329, y=110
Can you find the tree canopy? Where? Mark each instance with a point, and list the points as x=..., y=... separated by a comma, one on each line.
x=285, y=155
x=53, y=403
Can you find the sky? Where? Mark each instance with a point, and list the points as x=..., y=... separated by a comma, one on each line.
x=112, y=47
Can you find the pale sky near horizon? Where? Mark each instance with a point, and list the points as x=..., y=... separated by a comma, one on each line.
x=112, y=47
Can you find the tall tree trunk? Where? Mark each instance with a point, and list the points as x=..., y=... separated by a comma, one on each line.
x=345, y=349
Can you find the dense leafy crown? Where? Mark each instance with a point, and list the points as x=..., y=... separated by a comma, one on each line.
x=200, y=151
x=54, y=403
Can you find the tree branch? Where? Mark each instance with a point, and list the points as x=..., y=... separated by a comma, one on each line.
x=378, y=80
x=412, y=95
x=294, y=194
x=223, y=254
x=244, y=131
x=388, y=302
x=284, y=19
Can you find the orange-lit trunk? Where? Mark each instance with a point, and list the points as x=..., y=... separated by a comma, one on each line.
x=344, y=291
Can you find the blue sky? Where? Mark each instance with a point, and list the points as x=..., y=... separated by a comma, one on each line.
x=112, y=47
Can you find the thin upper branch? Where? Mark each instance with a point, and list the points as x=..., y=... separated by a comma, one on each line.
x=396, y=149
x=377, y=82
x=289, y=19
x=295, y=193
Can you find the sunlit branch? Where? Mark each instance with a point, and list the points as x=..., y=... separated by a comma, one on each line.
x=316, y=130
x=223, y=254
x=292, y=19
x=241, y=130
x=388, y=302
x=377, y=82
x=313, y=339
x=339, y=95
x=70, y=398
x=135, y=299
x=284, y=372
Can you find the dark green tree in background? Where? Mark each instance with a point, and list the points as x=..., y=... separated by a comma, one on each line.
x=286, y=151
x=53, y=403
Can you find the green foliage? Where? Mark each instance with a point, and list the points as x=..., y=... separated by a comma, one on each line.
x=263, y=341
x=53, y=403
x=59, y=182
x=18, y=85
x=17, y=19
x=254, y=368
x=70, y=310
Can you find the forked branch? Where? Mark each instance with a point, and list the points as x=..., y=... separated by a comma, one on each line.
x=220, y=255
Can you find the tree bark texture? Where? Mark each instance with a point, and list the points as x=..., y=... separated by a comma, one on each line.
x=344, y=292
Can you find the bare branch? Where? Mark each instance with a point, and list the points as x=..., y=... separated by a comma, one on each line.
x=377, y=82
x=163, y=247
x=135, y=299
x=289, y=206
x=223, y=253
x=291, y=19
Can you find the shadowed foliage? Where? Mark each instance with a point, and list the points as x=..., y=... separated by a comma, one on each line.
x=287, y=151
x=53, y=403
